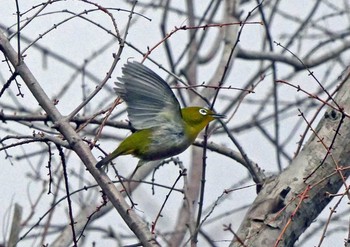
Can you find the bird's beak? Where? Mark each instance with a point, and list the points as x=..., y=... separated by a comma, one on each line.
x=215, y=115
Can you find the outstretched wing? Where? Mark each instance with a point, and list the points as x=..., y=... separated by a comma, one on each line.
x=150, y=101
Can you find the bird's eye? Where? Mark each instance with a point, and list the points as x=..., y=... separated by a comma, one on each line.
x=203, y=112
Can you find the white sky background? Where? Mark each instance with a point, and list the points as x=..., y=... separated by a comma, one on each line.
x=78, y=40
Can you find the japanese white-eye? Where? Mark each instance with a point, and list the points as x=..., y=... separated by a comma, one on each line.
x=163, y=129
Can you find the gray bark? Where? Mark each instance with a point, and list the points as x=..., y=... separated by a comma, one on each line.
x=287, y=204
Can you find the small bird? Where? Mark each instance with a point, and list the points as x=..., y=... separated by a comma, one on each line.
x=163, y=129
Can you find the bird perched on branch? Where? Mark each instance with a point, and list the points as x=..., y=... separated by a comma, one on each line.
x=163, y=129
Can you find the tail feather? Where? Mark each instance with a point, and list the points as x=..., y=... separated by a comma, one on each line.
x=103, y=162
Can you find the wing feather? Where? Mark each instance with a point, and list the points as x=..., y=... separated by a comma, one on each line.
x=150, y=101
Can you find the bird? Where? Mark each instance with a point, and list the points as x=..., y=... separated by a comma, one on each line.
x=163, y=128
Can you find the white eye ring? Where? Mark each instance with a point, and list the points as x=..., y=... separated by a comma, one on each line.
x=203, y=112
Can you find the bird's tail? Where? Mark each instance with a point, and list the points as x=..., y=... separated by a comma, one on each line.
x=109, y=158
x=104, y=161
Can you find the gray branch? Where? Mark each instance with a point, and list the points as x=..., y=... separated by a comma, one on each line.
x=287, y=205
x=135, y=223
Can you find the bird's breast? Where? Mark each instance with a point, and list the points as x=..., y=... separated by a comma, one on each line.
x=166, y=141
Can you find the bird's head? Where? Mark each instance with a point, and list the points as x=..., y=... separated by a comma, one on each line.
x=196, y=118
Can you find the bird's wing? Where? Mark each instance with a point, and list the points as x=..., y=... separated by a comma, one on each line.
x=150, y=101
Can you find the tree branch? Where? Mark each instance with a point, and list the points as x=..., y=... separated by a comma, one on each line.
x=289, y=196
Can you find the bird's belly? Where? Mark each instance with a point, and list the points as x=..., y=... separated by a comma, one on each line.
x=166, y=142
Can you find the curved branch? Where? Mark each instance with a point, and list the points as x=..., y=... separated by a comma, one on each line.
x=309, y=63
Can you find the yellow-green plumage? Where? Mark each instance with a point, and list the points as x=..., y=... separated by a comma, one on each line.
x=163, y=129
